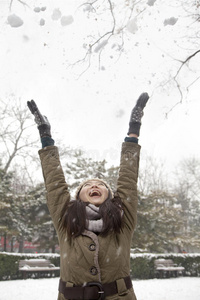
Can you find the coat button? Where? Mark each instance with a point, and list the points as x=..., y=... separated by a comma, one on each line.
x=92, y=247
x=93, y=271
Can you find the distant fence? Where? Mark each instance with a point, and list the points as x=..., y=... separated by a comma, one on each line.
x=142, y=265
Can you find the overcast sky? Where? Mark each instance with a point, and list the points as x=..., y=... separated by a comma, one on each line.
x=92, y=110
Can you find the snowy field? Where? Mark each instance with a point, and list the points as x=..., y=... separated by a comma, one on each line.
x=182, y=288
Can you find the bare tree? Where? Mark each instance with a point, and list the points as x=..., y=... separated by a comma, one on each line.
x=118, y=16
x=187, y=189
x=152, y=176
x=110, y=20
x=15, y=139
x=107, y=37
x=188, y=178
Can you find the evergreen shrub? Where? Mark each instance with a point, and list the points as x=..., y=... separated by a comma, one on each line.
x=142, y=265
x=8, y=267
x=9, y=263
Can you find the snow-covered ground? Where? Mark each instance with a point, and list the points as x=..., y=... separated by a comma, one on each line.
x=182, y=288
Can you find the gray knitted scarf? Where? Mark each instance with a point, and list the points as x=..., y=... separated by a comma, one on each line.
x=94, y=221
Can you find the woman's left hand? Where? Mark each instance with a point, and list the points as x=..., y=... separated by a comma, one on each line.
x=137, y=114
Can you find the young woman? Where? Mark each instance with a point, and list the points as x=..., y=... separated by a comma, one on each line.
x=95, y=229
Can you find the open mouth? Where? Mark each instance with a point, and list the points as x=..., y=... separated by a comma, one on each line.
x=95, y=194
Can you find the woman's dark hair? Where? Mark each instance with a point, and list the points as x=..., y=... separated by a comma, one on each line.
x=74, y=216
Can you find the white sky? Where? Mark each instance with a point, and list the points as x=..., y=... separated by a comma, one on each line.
x=92, y=111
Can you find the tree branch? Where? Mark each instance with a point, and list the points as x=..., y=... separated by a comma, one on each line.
x=175, y=79
x=20, y=1
x=185, y=61
x=106, y=35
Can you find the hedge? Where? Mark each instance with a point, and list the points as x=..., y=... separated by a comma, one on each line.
x=9, y=263
x=142, y=265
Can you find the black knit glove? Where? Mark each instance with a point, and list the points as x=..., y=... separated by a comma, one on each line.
x=137, y=114
x=43, y=124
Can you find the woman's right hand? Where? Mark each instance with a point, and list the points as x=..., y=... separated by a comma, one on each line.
x=44, y=126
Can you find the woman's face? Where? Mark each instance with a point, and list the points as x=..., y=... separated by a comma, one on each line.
x=94, y=192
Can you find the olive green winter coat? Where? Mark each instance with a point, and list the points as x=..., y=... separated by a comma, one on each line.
x=91, y=257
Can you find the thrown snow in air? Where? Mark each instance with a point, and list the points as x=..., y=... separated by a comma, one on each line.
x=171, y=21
x=132, y=26
x=15, y=21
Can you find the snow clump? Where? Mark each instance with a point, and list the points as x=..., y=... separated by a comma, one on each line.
x=88, y=7
x=132, y=26
x=151, y=2
x=100, y=46
x=56, y=14
x=42, y=22
x=66, y=20
x=170, y=21
x=37, y=9
x=15, y=21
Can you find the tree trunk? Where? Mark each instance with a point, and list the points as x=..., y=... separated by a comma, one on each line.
x=21, y=244
x=12, y=244
x=53, y=248
x=5, y=241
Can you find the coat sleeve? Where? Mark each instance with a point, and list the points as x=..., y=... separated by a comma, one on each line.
x=127, y=182
x=56, y=186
